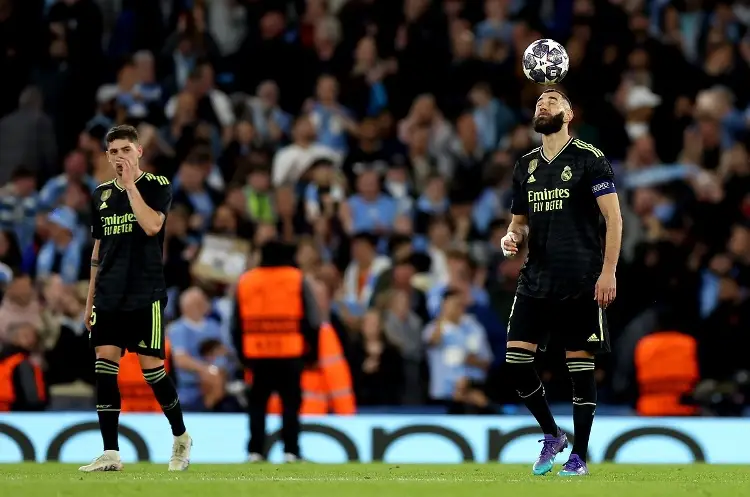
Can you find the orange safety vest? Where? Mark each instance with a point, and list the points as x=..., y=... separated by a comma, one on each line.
x=666, y=367
x=7, y=392
x=327, y=388
x=135, y=394
x=271, y=310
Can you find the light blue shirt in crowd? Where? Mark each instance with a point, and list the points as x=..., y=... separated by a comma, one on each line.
x=186, y=336
x=330, y=127
x=367, y=216
x=447, y=360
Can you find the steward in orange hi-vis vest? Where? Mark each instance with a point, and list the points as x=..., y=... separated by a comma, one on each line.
x=136, y=395
x=22, y=385
x=666, y=368
x=275, y=329
x=326, y=388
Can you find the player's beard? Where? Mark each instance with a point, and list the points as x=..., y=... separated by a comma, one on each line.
x=548, y=125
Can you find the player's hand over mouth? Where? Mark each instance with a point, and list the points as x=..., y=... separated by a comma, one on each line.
x=128, y=172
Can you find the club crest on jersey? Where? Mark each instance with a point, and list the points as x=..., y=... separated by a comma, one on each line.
x=532, y=165
x=566, y=174
x=105, y=195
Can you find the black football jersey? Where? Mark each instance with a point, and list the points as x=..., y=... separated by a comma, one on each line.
x=131, y=271
x=558, y=195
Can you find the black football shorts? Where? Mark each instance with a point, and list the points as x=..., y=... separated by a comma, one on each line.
x=140, y=331
x=578, y=324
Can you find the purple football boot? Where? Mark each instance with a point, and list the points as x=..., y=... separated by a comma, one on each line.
x=552, y=445
x=574, y=467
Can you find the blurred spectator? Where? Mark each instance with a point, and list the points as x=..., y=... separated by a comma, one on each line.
x=292, y=162
x=91, y=142
x=194, y=194
x=362, y=273
x=20, y=305
x=27, y=137
x=74, y=171
x=424, y=113
x=493, y=119
x=460, y=275
x=202, y=361
x=212, y=105
x=65, y=253
x=19, y=204
x=403, y=328
x=270, y=121
x=369, y=209
x=378, y=363
x=458, y=355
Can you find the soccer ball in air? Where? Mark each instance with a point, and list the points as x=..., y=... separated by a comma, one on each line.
x=545, y=62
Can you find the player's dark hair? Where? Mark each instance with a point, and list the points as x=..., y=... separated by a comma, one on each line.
x=122, y=132
x=559, y=92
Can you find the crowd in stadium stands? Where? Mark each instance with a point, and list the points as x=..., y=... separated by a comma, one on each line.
x=380, y=137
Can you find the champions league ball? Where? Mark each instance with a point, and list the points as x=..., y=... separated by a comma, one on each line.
x=545, y=62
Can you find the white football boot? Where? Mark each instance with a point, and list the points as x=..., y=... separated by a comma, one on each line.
x=109, y=461
x=180, y=459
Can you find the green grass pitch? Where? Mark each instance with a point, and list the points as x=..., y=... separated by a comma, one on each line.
x=373, y=480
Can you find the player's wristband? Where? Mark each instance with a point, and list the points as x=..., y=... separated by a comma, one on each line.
x=94, y=263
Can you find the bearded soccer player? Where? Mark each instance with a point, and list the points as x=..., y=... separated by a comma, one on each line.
x=560, y=192
x=127, y=293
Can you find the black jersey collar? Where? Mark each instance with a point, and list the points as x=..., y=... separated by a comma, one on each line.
x=549, y=161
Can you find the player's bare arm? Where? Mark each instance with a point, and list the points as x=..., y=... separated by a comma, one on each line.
x=606, y=286
x=518, y=231
x=92, y=285
x=150, y=220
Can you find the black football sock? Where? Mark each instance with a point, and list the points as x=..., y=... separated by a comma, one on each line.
x=584, y=403
x=520, y=363
x=107, y=401
x=166, y=394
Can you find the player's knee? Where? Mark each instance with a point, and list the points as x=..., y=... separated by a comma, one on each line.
x=582, y=377
x=528, y=346
x=578, y=354
x=519, y=364
x=109, y=352
x=148, y=362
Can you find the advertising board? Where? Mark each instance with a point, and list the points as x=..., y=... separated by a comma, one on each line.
x=222, y=438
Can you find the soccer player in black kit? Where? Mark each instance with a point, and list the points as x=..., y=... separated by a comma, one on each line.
x=127, y=293
x=560, y=190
